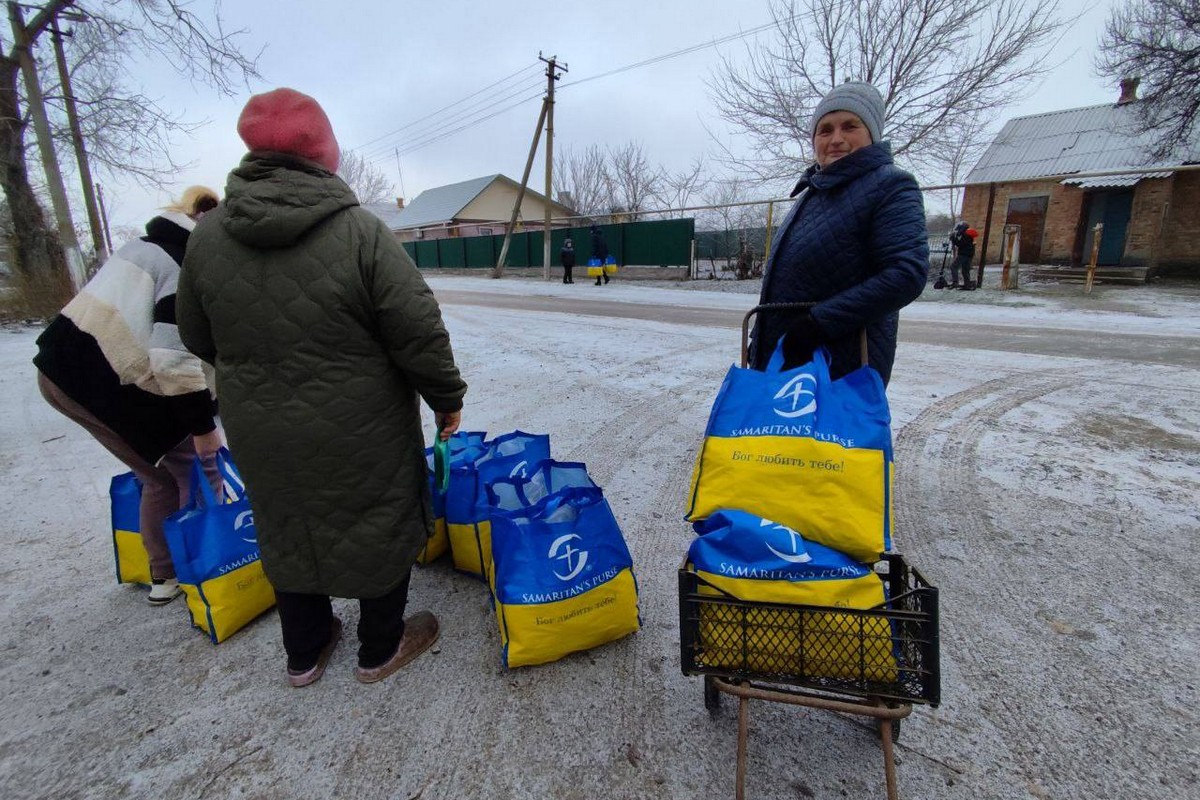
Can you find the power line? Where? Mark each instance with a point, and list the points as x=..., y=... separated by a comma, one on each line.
x=525, y=68
x=453, y=119
x=675, y=54
x=416, y=142
x=446, y=134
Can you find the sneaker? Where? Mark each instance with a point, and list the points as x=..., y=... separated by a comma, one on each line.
x=420, y=632
x=163, y=591
x=300, y=678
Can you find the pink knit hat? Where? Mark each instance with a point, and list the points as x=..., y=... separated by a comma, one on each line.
x=286, y=121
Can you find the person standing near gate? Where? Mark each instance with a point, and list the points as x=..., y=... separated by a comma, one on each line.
x=599, y=252
x=854, y=244
x=567, y=256
x=963, y=242
x=325, y=337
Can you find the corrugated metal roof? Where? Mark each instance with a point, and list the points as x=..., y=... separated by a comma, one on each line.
x=388, y=212
x=1075, y=140
x=441, y=204
x=1113, y=181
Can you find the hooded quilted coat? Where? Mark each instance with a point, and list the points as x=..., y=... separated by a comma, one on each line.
x=855, y=244
x=323, y=335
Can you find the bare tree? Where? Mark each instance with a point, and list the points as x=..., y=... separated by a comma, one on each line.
x=739, y=224
x=1158, y=41
x=635, y=182
x=966, y=143
x=196, y=46
x=369, y=183
x=583, y=174
x=126, y=131
x=932, y=60
x=676, y=189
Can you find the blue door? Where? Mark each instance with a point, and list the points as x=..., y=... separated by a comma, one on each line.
x=1114, y=209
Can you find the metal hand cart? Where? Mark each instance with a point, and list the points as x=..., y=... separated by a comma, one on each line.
x=873, y=662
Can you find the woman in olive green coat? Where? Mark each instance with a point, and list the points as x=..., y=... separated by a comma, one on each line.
x=324, y=335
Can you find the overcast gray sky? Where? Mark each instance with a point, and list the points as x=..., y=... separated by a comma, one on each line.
x=378, y=66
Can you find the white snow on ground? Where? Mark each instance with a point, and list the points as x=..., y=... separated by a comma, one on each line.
x=1052, y=500
x=1167, y=311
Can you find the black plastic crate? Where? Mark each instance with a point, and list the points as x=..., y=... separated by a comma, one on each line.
x=890, y=651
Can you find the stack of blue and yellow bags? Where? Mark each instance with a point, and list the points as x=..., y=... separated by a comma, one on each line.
x=791, y=501
x=541, y=535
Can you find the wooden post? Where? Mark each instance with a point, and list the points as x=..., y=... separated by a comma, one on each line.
x=551, y=77
x=1097, y=234
x=537, y=134
x=1011, y=255
x=987, y=229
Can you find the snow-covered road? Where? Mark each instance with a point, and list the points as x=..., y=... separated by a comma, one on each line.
x=1052, y=499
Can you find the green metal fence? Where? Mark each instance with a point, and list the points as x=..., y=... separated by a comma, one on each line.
x=661, y=243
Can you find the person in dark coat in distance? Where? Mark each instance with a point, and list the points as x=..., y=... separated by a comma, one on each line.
x=963, y=242
x=599, y=252
x=324, y=336
x=854, y=244
x=567, y=256
x=112, y=361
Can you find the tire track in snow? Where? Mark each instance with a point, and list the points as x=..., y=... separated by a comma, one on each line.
x=947, y=525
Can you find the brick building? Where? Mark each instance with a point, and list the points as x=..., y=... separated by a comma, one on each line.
x=1151, y=218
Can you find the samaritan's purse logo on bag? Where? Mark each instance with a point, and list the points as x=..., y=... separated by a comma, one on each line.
x=575, y=559
x=798, y=555
x=245, y=524
x=803, y=399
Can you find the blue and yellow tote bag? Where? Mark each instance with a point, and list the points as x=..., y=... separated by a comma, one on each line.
x=215, y=549
x=594, y=268
x=563, y=578
x=464, y=447
x=610, y=266
x=754, y=559
x=808, y=452
x=125, y=500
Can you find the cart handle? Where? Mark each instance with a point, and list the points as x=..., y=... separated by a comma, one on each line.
x=862, y=334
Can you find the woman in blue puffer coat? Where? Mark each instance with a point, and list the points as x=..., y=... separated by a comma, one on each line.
x=854, y=244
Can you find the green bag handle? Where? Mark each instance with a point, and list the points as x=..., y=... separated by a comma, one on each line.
x=441, y=462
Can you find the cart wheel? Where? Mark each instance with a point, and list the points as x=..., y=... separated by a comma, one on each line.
x=712, y=695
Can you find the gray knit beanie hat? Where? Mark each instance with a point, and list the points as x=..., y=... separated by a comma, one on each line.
x=858, y=98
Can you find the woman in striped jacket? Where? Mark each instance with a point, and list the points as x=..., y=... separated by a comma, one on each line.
x=112, y=361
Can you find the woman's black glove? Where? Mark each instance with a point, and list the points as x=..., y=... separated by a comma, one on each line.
x=801, y=339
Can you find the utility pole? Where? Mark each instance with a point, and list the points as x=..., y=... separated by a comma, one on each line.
x=552, y=75
x=85, y=170
x=41, y=125
x=537, y=132
x=400, y=172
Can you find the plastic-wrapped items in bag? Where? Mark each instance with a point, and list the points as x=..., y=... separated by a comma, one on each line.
x=542, y=480
x=467, y=524
x=749, y=558
x=563, y=577
x=463, y=447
